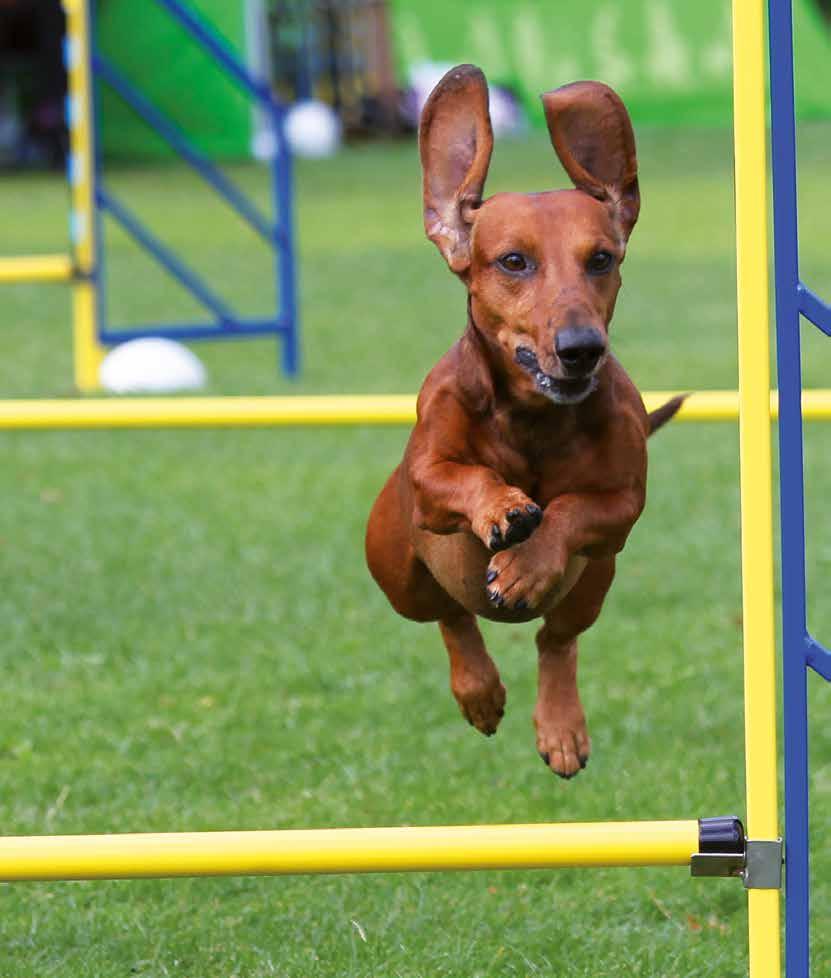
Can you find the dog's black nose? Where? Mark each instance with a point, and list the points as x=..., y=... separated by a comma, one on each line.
x=579, y=348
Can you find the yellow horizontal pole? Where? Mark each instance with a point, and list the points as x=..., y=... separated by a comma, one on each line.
x=264, y=411
x=373, y=850
x=176, y=412
x=36, y=268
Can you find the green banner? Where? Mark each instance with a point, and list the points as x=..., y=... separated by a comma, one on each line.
x=671, y=60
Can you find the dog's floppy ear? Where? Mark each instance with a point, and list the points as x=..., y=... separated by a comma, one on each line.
x=592, y=134
x=455, y=142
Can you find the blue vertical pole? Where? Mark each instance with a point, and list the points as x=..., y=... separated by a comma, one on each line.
x=792, y=506
x=279, y=232
x=281, y=170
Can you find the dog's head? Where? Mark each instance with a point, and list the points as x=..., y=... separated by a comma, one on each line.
x=542, y=269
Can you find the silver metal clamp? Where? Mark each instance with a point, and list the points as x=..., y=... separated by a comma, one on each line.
x=724, y=850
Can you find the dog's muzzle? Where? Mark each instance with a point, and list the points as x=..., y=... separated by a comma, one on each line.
x=560, y=390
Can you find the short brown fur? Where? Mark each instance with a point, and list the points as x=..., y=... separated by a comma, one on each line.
x=526, y=468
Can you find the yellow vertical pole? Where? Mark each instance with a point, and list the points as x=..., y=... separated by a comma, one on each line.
x=750, y=134
x=88, y=352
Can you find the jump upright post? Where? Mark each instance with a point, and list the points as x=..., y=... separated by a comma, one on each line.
x=801, y=650
x=84, y=268
x=77, y=267
x=758, y=628
x=710, y=846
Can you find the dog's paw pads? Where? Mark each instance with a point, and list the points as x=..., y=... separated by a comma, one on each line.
x=522, y=521
x=518, y=523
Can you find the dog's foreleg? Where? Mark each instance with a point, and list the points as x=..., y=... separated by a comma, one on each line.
x=450, y=496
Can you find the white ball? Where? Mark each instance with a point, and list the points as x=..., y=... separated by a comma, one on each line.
x=505, y=112
x=313, y=129
x=264, y=145
x=151, y=365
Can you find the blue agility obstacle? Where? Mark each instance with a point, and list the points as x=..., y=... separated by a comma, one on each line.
x=800, y=649
x=275, y=229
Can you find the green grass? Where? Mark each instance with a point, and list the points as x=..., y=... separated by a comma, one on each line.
x=191, y=640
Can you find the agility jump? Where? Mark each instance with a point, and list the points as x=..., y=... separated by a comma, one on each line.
x=720, y=846
x=84, y=268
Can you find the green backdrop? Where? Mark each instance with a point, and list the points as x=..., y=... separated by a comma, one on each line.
x=155, y=53
x=670, y=59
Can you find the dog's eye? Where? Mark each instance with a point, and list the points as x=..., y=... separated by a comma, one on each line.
x=514, y=262
x=600, y=263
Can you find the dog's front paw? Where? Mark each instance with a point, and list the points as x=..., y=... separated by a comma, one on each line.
x=563, y=743
x=511, y=518
x=522, y=578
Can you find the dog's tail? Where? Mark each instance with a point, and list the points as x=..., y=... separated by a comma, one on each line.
x=659, y=417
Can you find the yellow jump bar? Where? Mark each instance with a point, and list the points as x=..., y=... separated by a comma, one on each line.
x=36, y=268
x=394, y=409
x=372, y=850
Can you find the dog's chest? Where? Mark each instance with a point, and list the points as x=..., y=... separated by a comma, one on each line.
x=543, y=461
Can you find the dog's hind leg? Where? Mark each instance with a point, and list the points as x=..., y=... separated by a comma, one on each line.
x=474, y=678
x=409, y=586
x=562, y=736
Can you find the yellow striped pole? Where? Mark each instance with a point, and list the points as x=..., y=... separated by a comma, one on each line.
x=317, y=410
x=372, y=850
x=750, y=136
x=88, y=352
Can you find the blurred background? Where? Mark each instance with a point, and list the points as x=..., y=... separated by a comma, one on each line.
x=353, y=75
x=371, y=60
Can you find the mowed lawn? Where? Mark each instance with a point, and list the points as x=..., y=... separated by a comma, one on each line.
x=190, y=639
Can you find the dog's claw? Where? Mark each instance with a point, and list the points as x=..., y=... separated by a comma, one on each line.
x=521, y=605
x=546, y=759
x=513, y=518
x=495, y=598
x=491, y=576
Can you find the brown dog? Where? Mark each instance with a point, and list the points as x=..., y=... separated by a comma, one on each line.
x=526, y=469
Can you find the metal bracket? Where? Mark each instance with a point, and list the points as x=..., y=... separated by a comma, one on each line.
x=724, y=850
x=717, y=864
x=763, y=864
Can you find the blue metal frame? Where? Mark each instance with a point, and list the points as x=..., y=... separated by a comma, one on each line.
x=800, y=649
x=277, y=233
